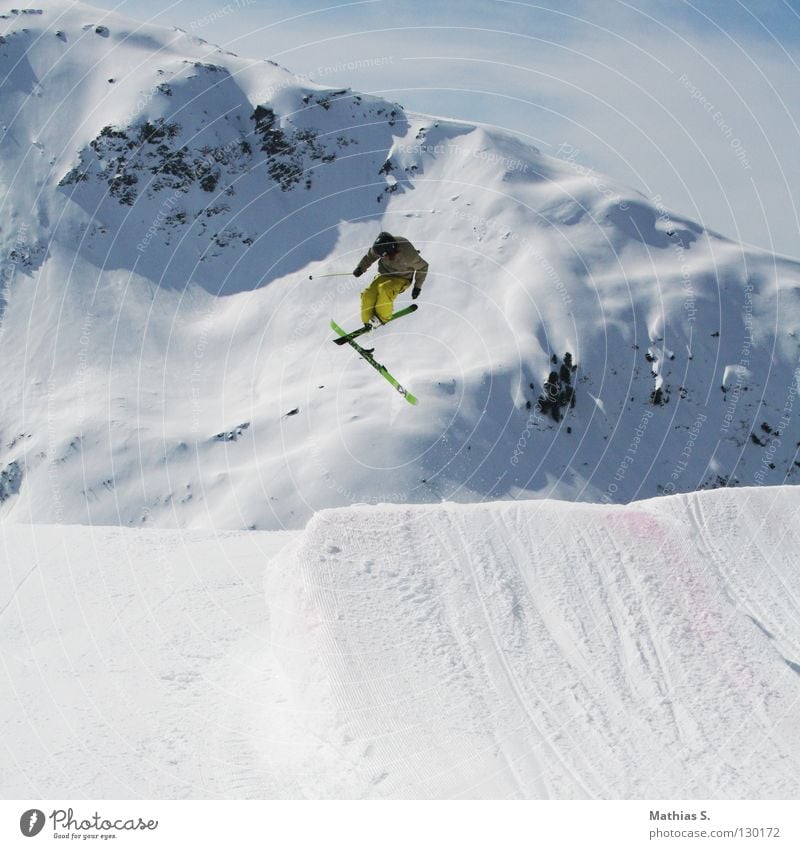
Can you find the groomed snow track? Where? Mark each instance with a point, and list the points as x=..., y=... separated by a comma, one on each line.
x=529, y=649
x=545, y=649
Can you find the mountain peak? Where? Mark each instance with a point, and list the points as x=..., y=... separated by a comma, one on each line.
x=167, y=205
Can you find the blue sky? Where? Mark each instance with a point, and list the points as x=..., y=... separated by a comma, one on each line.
x=693, y=102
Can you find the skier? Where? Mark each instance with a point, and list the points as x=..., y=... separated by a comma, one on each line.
x=400, y=265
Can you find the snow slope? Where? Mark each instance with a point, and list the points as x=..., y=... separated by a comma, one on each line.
x=530, y=649
x=167, y=359
x=128, y=660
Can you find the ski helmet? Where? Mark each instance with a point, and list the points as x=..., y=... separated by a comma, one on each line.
x=385, y=244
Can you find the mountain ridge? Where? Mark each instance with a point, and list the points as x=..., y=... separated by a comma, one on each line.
x=575, y=339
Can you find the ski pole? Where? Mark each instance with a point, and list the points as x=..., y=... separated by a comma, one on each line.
x=335, y=274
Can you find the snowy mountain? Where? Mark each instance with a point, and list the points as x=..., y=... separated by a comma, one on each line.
x=167, y=360
x=529, y=650
x=167, y=211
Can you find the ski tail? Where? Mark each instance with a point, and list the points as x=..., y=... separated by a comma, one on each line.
x=381, y=369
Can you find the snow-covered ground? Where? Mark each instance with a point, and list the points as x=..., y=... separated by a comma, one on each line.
x=529, y=649
x=130, y=659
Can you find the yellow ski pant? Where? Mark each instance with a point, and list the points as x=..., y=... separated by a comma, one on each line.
x=378, y=297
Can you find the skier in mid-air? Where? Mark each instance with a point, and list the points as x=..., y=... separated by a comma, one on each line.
x=400, y=265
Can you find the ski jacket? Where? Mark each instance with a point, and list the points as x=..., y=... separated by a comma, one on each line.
x=405, y=263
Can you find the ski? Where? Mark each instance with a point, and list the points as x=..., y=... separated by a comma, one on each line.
x=367, y=355
x=347, y=337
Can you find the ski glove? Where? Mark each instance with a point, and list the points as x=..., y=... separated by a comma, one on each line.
x=415, y=293
x=358, y=272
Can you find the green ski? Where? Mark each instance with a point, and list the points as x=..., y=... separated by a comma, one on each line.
x=367, y=355
x=348, y=336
